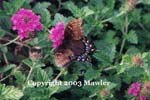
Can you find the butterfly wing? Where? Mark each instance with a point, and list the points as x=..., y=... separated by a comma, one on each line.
x=83, y=58
x=71, y=45
x=74, y=30
x=75, y=46
x=89, y=46
x=63, y=57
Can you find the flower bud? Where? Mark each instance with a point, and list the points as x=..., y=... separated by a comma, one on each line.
x=137, y=60
x=105, y=93
x=130, y=5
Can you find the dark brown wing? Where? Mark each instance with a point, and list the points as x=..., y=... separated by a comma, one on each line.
x=74, y=30
x=75, y=46
x=63, y=57
x=71, y=45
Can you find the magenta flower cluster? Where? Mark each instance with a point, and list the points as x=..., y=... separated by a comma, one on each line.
x=57, y=34
x=26, y=22
x=135, y=90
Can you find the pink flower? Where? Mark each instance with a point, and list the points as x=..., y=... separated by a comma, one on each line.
x=141, y=98
x=134, y=89
x=57, y=34
x=26, y=22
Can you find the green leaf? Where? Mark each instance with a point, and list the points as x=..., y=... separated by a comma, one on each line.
x=134, y=71
x=73, y=8
x=10, y=92
x=2, y=32
x=4, y=49
x=132, y=37
x=12, y=6
x=49, y=72
x=92, y=74
x=145, y=1
x=111, y=86
x=71, y=77
x=53, y=90
x=86, y=11
x=20, y=77
x=116, y=80
x=126, y=59
x=121, y=68
x=40, y=93
x=78, y=12
x=27, y=1
x=106, y=52
x=146, y=19
x=63, y=88
x=41, y=75
x=111, y=38
x=110, y=4
x=41, y=8
x=127, y=79
x=5, y=23
x=96, y=5
x=28, y=62
x=132, y=51
x=7, y=68
x=60, y=18
x=135, y=16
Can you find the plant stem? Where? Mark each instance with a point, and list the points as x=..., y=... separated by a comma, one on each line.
x=11, y=41
x=29, y=74
x=118, y=15
x=5, y=59
x=60, y=73
x=52, y=50
x=59, y=5
x=122, y=46
x=109, y=68
x=108, y=19
x=92, y=95
x=18, y=43
x=125, y=32
x=143, y=28
x=5, y=78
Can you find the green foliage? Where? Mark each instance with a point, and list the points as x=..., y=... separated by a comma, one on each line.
x=92, y=74
x=20, y=77
x=119, y=37
x=132, y=37
x=41, y=75
x=40, y=92
x=60, y=18
x=145, y=1
x=78, y=12
x=7, y=68
x=106, y=52
x=41, y=8
x=2, y=32
x=12, y=6
x=10, y=92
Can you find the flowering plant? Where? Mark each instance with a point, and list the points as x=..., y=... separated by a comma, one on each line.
x=26, y=22
x=57, y=34
x=101, y=46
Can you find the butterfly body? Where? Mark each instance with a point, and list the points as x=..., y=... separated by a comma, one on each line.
x=75, y=46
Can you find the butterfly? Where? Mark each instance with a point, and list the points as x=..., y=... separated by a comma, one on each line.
x=75, y=46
